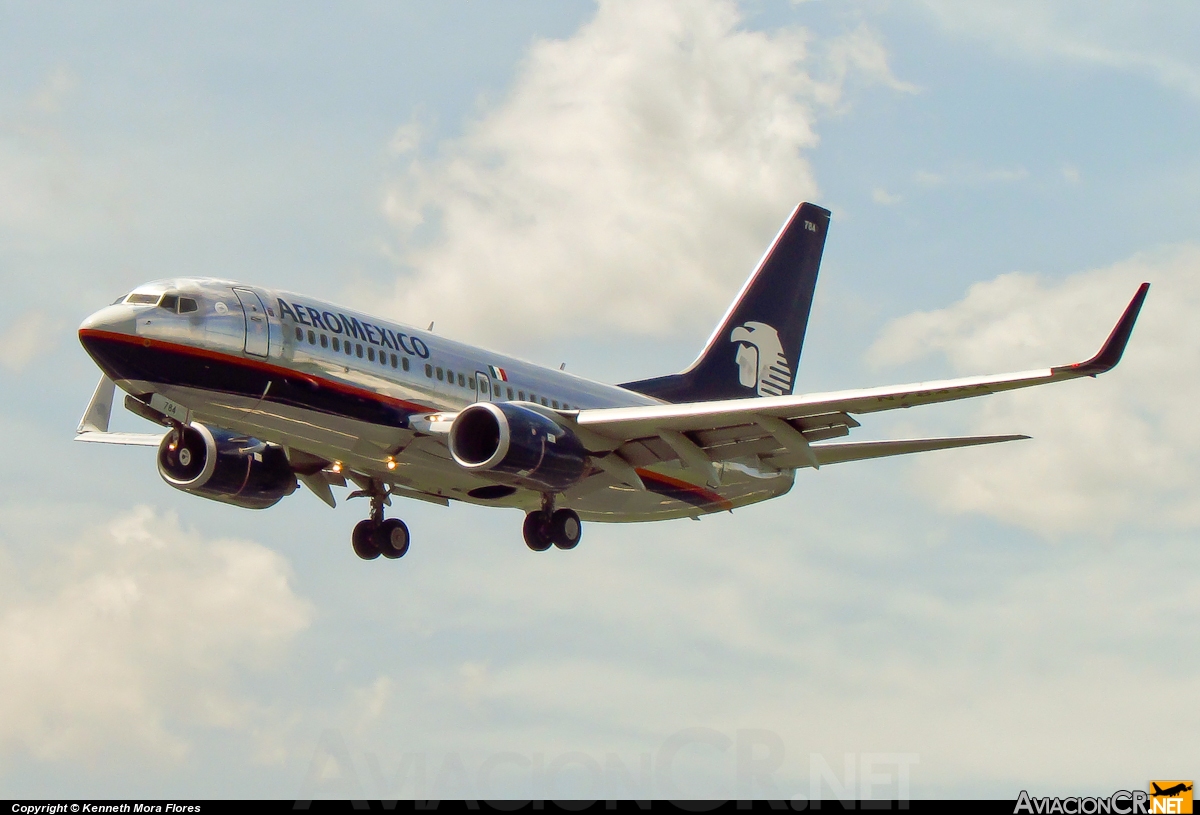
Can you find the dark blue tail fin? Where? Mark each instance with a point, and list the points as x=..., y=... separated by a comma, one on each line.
x=756, y=349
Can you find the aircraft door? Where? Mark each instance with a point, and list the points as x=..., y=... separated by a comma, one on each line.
x=258, y=331
x=483, y=389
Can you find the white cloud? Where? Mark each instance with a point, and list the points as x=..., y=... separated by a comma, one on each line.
x=1117, y=450
x=1157, y=40
x=969, y=175
x=30, y=335
x=860, y=52
x=630, y=179
x=808, y=634
x=130, y=636
x=881, y=196
x=55, y=91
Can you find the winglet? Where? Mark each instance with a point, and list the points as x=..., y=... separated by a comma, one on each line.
x=1110, y=353
x=95, y=418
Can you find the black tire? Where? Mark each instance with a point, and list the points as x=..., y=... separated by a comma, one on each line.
x=565, y=529
x=363, y=539
x=537, y=531
x=391, y=538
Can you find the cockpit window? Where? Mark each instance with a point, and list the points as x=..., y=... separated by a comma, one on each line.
x=169, y=301
x=120, y=299
x=187, y=304
x=142, y=299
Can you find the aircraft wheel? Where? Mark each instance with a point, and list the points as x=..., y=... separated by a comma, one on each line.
x=565, y=529
x=363, y=540
x=537, y=531
x=391, y=538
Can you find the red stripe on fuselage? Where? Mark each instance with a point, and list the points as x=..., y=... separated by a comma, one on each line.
x=254, y=364
x=686, y=486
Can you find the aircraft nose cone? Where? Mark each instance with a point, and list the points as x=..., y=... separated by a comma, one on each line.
x=105, y=336
x=116, y=319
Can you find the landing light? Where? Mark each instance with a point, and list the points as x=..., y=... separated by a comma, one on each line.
x=391, y=463
x=337, y=467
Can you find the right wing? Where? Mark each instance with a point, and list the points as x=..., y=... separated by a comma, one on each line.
x=779, y=429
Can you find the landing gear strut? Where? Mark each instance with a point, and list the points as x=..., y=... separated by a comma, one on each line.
x=549, y=527
x=378, y=536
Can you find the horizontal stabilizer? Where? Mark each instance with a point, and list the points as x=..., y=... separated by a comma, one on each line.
x=859, y=450
x=137, y=439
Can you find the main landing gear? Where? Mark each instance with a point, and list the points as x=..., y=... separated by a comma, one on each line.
x=379, y=536
x=389, y=536
x=549, y=527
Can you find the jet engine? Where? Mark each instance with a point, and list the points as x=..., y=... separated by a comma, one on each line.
x=517, y=445
x=224, y=466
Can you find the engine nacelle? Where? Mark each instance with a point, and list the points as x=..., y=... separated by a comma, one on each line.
x=518, y=445
x=224, y=466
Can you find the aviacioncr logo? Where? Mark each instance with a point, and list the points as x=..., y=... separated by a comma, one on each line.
x=760, y=360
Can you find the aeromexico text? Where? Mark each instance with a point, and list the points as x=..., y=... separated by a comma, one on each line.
x=353, y=327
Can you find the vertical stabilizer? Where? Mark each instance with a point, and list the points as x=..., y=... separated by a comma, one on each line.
x=755, y=350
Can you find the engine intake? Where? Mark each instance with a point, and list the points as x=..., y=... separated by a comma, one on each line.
x=224, y=466
x=517, y=445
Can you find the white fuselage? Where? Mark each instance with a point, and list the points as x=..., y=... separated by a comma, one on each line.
x=345, y=387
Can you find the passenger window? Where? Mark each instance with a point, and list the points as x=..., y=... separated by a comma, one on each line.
x=439, y=374
x=346, y=347
x=370, y=353
x=186, y=305
x=483, y=386
x=462, y=383
x=395, y=361
x=428, y=370
x=299, y=335
x=324, y=341
x=358, y=350
x=404, y=363
x=544, y=402
x=337, y=345
x=450, y=376
x=169, y=301
x=510, y=394
x=312, y=338
x=471, y=382
x=554, y=404
x=520, y=395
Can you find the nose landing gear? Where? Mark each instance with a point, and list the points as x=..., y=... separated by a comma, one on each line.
x=376, y=535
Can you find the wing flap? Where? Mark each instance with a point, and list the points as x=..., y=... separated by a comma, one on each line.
x=838, y=452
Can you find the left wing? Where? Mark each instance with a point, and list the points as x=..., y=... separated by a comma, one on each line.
x=93, y=426
x=699, y=433
x=136, y=439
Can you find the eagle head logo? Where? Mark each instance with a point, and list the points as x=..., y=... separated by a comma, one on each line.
x=760, y=360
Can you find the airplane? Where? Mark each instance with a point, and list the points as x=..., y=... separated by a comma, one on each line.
x=1170, y=792
x=259, y=391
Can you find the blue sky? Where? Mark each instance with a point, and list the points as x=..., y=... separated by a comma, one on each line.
x=591, y=184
